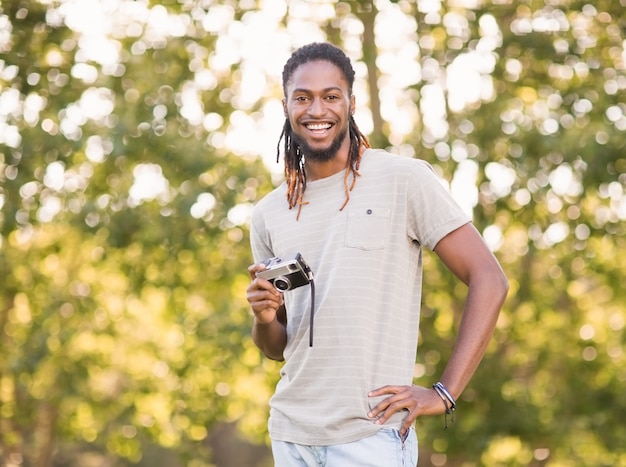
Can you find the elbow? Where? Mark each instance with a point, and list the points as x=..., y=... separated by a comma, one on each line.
x=501, y=284
x=272, y=354
x=276, y=358
x=492, y=280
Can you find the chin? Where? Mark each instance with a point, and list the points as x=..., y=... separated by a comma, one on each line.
x=320, y=154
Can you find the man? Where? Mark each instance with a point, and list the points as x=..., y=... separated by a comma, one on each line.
x=359, y=217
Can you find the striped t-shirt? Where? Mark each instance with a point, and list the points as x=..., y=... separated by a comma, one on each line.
x=367, y=262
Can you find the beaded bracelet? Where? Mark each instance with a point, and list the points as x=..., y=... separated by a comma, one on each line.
x=446, y=397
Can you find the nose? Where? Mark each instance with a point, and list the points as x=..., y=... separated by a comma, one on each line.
x=316, y=108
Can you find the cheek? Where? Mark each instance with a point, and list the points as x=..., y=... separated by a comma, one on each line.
x=292, y=114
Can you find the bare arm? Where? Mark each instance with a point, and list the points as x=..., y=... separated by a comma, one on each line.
x=464, y=252
x=466, y=255
x=269, y=331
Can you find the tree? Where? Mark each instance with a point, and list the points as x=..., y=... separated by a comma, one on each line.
x=125, y=185
x=521, y=107
x=124, y=247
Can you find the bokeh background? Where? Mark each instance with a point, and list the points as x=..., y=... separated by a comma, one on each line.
x=135, y=136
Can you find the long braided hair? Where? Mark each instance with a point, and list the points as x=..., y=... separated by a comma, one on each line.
x=295, y=174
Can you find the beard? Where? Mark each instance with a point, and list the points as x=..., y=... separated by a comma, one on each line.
x=323, y=154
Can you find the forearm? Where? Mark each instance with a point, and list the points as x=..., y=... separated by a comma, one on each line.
x=270, y=338
x=484, y=300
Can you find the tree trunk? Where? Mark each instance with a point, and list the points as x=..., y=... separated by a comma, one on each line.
x=366, y=12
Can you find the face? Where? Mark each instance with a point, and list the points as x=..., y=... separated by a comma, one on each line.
x=318, y=105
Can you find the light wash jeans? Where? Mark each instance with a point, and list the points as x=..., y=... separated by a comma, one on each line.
x=384, y=449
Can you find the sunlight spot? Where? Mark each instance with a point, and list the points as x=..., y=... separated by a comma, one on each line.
x=564, y=181
x=522, y=197
x=50, y=206
x=222, y=389
x=541, y=454
x=55, y=175
x=616, y=321
x=205, y=80
x=160, y=369
x=218, y=18
x=493, y=237
x=556, y=233
x=97, y=103
x=191, y=107
x=587, y=332
x=9, y=102
x=240, y=214
x=6, y=28
x=435, y=121
x=590, y=353
x=212, y=121
x=86, y=73
x=29, y=189
x=465, y=81
x=149, y=184
x=549, y=126
x=501, y=178
x=97, y=149
x=463, y=185
x=582, y=232
x=10, y=135
x=204, y=205
x=33, y=105
x=129, y=431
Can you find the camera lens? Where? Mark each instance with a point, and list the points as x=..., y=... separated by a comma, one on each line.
x=282, y=283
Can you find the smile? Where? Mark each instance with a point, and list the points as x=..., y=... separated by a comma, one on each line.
x=318, y=126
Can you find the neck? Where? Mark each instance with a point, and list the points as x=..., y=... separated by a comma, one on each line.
x=316, y=170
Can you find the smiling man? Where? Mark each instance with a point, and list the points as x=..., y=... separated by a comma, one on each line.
x=360, y=217
x=319, y=117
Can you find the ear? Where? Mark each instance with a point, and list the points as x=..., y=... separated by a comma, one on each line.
x=352, y=104
x=285, y=107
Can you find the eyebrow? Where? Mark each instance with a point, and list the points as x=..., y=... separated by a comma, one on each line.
x=332, y=88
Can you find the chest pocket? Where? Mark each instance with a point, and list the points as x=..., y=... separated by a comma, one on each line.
x=367, y=228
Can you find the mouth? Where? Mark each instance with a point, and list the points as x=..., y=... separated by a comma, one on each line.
x=318, y=127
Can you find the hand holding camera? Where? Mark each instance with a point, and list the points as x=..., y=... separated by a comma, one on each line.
x=286, y=274
x=289, y=275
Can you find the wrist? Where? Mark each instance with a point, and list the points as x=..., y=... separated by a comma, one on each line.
x=264, y=322
x=448, y=401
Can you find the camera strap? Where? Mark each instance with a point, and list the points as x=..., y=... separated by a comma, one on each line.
x=312, y=287
x=309, y=274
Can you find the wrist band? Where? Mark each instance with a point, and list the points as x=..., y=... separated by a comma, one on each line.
x=446, y=397
x=445, y=391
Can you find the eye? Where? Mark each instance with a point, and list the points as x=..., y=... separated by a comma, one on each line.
x=300, y=98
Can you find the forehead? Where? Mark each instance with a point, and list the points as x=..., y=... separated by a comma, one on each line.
x=316, y=76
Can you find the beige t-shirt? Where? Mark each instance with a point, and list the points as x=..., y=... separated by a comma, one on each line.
x=367, y=262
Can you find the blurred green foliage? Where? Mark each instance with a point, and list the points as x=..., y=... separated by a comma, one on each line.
x=123, y=226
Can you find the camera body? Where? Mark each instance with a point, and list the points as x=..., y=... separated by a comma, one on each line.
x=286, y=274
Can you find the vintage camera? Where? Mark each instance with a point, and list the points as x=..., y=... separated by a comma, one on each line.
x=286, y=274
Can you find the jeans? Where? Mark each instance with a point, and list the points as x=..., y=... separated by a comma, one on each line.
x=384, y=449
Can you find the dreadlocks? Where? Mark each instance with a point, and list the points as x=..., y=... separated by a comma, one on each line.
x=294, y=163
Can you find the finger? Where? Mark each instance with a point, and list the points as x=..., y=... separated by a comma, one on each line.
x=254, y=268
x=384, y=404
x=265, y=311
x=403, y=430
x=408, y=422
x=264, y=297
x=383, y=410
x=385, y=390
x=392, y=408
x=260, y=284
x=393, y=390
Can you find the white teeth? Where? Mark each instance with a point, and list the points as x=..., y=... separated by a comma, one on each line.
x=319, y=126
